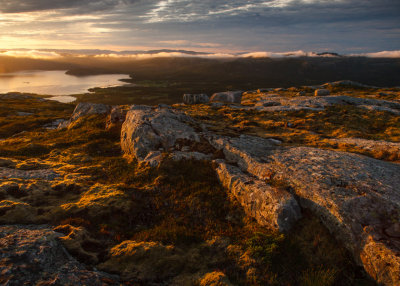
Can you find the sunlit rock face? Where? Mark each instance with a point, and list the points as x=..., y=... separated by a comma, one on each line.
x=146, y=130
x=274, y=208
x=321, y=92
x=356, y=197
x=84, y=109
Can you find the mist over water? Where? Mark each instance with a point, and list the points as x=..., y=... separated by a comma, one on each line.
x=56, y=83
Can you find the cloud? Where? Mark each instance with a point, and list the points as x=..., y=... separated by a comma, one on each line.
x=34, y=54
x=223, y=25
x=132, y=55
x=383, y=54
x=80, y=6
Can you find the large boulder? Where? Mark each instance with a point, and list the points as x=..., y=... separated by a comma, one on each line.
x=83, y=109
x=227, y=97
x=33, y=255
x=270, y=206
x=195, y=98
x=146, y=130
x=321, y=92
x=356, y=197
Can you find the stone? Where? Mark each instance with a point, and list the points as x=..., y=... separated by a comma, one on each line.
x=179, y=155
x=271, y=207
x=321, y=92
x=370, y=145
x=146, y=130
x=282, y=103
x=45, y=174
x=33, y=255
x=195, y=98
x=261, y=90
x=356, y=197
x=227, y=97
x=84, y=109
x=117, y=116
x=75, y=240
x=154, y=158
x=348, y=83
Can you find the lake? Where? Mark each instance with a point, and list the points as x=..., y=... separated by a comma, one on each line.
x=56, y=83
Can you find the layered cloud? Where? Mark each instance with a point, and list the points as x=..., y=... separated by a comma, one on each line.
x=37, y=54
x=358, y=26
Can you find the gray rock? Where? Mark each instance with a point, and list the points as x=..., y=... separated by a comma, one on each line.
x=180, y=155
x=195, y=98
x=20, y=113
x=146, y=130
x=154, y=158
x=261, y=90
x=83, y=109
x=282, y=103
x=356, y=197
x=216, y=105
x=33, y=255
x=116, y=116
x=369, y=145
x=271, y=207
x=227, y=97
x=348, y=83
x=46, y=174
x=162, y=105
x=322, y=92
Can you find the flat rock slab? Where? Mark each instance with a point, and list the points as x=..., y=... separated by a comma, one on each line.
x=32, y=255
x=369, y=145
x=282, y=103
x=46, y=174
x=356, y=197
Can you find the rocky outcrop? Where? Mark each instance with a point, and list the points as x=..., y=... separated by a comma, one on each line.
x=227, y=97
x=356, y=197
x=321, y=92
x=32, y=255
x=375, y=146
x=195, y=98
x=273, y=102
x=83, y=109
x=146, y=130
x=270, y=206
x=348, y=83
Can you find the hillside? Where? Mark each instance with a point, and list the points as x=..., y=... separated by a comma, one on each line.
x=273, y=186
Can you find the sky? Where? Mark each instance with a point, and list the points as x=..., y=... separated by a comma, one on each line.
x=224, y=26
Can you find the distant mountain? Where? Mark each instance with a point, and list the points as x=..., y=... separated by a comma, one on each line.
x=329, y=54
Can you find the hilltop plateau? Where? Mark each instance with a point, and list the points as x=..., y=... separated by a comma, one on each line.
x=275, y=186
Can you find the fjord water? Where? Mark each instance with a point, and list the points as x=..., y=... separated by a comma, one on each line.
x=56, y=83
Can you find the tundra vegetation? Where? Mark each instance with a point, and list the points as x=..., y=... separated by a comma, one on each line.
x=175, y=223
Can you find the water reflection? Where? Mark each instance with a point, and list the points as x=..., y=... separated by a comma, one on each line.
x=55, y=83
